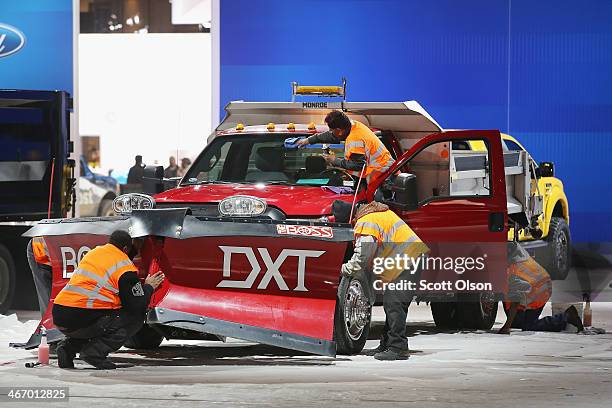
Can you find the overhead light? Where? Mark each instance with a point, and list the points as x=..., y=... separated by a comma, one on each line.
x=137, y=19
x=129, y=21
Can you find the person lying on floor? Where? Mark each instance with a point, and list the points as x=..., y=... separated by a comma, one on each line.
x=529, y=288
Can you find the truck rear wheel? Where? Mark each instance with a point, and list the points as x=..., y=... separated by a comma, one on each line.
x=556, y=257
x=480, y=314
x=445, y=314
x=145, y=339
x=352, y=317
x=7, y=279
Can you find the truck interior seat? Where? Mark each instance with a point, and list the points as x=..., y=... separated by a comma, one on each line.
x=270, y=163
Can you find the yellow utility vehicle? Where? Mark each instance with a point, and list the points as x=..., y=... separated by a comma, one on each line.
x=550, y=241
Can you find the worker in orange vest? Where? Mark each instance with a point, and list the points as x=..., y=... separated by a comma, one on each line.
x=40, y=264
x=103, y=304
x=361, y=146
x=380, y=233
x=529, y=288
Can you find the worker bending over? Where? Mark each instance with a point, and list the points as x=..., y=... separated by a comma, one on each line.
x=103, y=304
x=361, y=146
x=380, y=233
x=529, y=288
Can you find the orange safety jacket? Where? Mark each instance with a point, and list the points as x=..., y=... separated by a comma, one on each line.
x=541, y=285
x=393, y=236
x=361, y=140
x=41, y=253
x=95, y=282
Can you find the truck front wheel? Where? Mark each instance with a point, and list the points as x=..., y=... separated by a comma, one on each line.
x=556, y=257
x=445, y=314
x=7, y=279
x=352, y=316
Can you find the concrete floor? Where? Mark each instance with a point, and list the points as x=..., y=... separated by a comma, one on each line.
x=459, y=368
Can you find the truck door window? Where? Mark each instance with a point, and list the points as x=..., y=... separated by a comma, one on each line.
x=431, y=167
x=512, y=146
x=447, y=169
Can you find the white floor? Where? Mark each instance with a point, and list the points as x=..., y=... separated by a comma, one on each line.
x=463, y=369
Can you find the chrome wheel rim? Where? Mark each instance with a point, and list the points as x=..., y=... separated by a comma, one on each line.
x=487, y=303
x=356, y=310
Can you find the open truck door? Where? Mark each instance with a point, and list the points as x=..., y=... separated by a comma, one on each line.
x=36, y=180
x=457, y=204
x=265, y=281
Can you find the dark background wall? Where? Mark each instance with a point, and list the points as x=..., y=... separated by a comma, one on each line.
x=539, y=70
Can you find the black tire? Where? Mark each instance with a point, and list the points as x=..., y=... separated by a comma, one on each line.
x=147, y=338
x=106, y=208
x=556, y=256
x=478, y=315
x=7, y=280
x=445, y=314
x=352, y=317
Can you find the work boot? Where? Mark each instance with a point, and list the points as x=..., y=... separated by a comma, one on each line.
x=65, y=357
x=390, y=355
x=371, y=352
x=105, y=364
x=572, y=316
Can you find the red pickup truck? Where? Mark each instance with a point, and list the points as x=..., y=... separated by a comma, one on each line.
x=247, y=240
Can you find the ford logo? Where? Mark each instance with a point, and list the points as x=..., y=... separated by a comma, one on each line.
x=11, y=40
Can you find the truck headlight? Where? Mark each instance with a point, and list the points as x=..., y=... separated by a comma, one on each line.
x=124, y=204
x=242, y=206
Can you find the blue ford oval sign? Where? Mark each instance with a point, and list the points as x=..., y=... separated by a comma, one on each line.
x=11, y=40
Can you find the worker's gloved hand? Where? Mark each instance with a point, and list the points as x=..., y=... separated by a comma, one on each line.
x=302, y=142
x=155, y=280
x=346, y=271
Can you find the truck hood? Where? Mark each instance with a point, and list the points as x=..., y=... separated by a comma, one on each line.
x=292, y=200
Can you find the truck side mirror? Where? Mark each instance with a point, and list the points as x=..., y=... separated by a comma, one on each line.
x=405, y=192
x=153, y=180
x=546, y=169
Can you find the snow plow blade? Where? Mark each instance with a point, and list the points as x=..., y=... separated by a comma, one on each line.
x=271, y=282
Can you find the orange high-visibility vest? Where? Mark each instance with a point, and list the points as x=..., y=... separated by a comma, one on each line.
x=41, y=253
x=95, y=282
x=541, y=285
x=361, y=140
x=393, y=236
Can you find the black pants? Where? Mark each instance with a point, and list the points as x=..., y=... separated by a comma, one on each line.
x=105, y=335
x=529, y=320
x=395, y=304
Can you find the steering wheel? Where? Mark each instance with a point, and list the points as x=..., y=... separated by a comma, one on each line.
x=341, y=172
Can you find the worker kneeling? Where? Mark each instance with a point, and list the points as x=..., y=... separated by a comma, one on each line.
x=529, y=288
x=380, y=233
x=103, y=304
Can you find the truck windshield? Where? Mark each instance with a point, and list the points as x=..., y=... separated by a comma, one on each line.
x=264, y=158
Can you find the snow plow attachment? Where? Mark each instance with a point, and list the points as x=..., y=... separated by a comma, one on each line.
x=272, y=282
